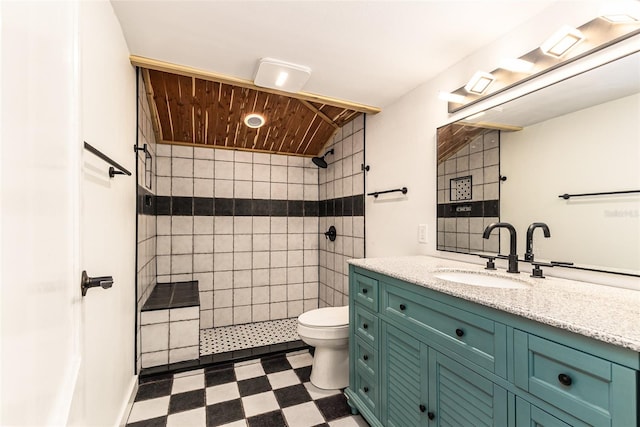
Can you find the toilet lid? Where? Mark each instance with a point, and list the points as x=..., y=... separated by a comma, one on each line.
x=326, y=317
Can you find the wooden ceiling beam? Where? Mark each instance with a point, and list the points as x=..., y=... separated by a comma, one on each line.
x=168, y=67
x=322, y=115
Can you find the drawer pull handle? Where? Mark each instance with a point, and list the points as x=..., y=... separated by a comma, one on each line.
x=565, y=379
x=459, y=332
x=365, y=326
x=422, y=408
x=365, y=357
x=366, y=389
x=403, y=307
x=431, y=415
x=365, y=290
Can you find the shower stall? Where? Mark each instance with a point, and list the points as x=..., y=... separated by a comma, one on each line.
x=249, y=229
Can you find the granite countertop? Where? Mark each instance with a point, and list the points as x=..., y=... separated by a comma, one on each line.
x=605, y=313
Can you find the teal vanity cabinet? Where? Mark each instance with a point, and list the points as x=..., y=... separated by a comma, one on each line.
x=422, y=358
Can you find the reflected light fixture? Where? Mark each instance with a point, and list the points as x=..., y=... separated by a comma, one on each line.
x=475, y=116
x=562, y=41
x=281, y=75
x=516, y=65
x=452, y=97
x=254, y=120
x=479, y=83
x=620, y=18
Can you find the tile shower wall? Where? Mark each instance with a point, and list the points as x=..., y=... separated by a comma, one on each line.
x=245, y=226
x=146, y=240
x=341, y=205
x=469, y=196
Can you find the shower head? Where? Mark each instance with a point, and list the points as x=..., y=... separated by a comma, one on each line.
x=320, y=161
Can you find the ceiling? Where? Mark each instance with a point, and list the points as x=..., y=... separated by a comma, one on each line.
x=191, y=111
x=199, y=60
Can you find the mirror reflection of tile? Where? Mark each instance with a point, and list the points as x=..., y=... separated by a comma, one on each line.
x=468, y=195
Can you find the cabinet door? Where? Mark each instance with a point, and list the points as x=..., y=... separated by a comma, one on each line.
x=459, y=396
x=404, y=376
x=528, y=415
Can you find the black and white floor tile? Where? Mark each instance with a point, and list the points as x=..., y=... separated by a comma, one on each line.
x=270, y=392
x=240, y=337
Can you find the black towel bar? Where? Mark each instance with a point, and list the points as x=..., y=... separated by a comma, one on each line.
x=568, y=196
x=115, y=168
x=402, y=190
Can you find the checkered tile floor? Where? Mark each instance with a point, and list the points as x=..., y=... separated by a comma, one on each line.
x=270, y=392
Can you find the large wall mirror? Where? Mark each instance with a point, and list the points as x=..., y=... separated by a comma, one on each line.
x=579, y=137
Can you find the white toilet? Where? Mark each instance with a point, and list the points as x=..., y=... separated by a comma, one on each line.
x=327, y=329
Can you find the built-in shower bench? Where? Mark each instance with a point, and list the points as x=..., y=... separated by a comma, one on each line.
x=170, y=324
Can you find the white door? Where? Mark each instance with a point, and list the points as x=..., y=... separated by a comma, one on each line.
x=39, y=209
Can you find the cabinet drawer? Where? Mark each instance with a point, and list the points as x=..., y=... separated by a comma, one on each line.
x=365, y=290
x=366, y=358
x=474, y=337
x=366, y=326
x=367, y=391
x=594, y=390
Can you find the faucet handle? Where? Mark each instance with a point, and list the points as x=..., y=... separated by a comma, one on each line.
x=537, y=271
x=490, y=264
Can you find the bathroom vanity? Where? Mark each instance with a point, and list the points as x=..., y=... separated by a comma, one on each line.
x=547, y=352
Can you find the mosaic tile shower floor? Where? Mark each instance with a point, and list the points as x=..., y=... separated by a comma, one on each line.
x=240, y=337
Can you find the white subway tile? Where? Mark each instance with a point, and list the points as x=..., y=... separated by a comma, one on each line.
x=183, y=354
x=184, y=334
x=155, y=316
x=184, y=313
x=154, y=337
x=223, y=188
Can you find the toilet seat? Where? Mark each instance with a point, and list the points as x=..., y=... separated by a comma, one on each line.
x=328, y=317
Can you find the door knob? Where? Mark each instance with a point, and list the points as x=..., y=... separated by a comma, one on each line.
x=87, y=282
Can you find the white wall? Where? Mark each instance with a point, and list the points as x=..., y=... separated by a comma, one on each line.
x=108, y=215
x=39, y=212
x=401, y=140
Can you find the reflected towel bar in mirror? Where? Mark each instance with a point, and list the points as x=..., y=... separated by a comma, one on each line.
x=402, y=190
x=568, y=196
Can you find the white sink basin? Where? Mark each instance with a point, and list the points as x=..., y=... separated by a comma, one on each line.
x=478, y=279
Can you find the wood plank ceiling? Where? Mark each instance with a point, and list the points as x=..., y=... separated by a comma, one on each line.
x=188, y=110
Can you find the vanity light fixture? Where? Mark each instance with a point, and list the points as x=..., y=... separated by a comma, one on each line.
x=621, y=12
x=281, y=75
x=516, y=65
x=562, y=41
x=621, y=18
x=451, y=97
x=254, y=120
x=479, y=83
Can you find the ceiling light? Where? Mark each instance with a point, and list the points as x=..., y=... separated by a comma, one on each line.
x=516, y=65
x=479, y=83
x=254, y=120
x=452, y=97
x=281, y=75
x=563, y=40
x=282, y=78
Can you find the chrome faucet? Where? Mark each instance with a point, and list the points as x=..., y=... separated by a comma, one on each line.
x=513, y=256
x=528, y=256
